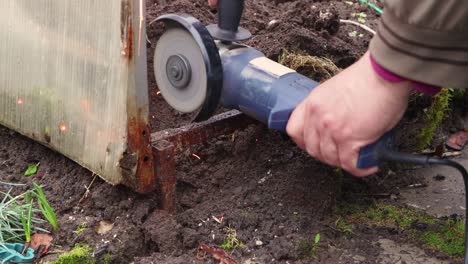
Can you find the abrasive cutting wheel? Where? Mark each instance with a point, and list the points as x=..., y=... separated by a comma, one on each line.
x=188, y=68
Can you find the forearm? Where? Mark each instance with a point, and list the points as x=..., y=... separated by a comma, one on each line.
x=425, y=41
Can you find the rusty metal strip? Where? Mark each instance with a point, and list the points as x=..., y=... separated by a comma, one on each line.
x=165, y=170
x=167, y=143
x=221, y=124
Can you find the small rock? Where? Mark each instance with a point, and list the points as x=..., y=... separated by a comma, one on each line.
x=458, y=123
x=273, y=23
x=359, y=258
x=258, y=243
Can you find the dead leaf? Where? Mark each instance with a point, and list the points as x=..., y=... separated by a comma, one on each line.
x=44, y=240
x=104, y=227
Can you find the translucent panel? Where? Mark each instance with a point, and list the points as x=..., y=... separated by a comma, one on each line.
x=67, y=78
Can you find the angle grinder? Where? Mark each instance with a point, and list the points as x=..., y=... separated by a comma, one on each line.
x=198, y=67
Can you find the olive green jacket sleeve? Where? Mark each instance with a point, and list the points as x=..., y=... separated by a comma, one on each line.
x=425, y=41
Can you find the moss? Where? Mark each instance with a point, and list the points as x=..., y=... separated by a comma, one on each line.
x=106, y=259
x=385, y=214
x=449, y=239
x=434, y=116
x=444, y=235
x=318, y=69
x=81, y=254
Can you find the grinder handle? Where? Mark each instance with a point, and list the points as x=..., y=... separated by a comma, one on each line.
x=229, y=14
x=298, y=88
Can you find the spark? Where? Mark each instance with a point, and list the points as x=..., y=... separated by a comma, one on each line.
x=158, y=92
x=196, y=156
x=19, y=101
x=85, y=105
x=62, y=128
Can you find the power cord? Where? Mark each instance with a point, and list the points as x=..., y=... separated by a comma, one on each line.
x=386, y=154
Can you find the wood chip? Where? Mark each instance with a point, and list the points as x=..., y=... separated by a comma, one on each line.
x=104, y=227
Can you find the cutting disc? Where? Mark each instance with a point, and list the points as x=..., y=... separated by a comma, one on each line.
x=180, y=70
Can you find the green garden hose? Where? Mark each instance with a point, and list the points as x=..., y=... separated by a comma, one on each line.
x=373, y=6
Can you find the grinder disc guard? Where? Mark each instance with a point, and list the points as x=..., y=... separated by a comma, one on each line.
x=187, y=67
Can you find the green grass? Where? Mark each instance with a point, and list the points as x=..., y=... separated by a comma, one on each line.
x=79, y=229
x=343, y=227
x=26, y=220
x=18, y=218
x=45, y=207
x=20, y=215
x=444, y=235
x=308, y=248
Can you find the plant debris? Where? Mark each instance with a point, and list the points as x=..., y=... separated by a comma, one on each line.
x=104, y=227
x=41, y=242
x=32, y=169
x=216, y=253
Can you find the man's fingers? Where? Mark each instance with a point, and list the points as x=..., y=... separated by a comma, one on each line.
x=348, y=161
x=329, y=151
x=295, y=126
x=312, y=143
x=213, y=3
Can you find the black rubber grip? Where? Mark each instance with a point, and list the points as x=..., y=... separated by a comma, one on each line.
x=229, y=14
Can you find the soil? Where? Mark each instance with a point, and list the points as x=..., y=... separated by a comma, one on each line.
x=256, y=181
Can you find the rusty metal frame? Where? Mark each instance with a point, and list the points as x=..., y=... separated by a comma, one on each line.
x=134, y=27
x=144, y=161
x=168, y=143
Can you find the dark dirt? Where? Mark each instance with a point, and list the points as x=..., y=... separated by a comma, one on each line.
x=274, y=195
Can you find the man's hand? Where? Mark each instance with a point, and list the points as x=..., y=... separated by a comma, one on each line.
x=213, y=3
x=347, y=112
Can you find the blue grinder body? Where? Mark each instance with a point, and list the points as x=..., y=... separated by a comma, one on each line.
x=269, y=93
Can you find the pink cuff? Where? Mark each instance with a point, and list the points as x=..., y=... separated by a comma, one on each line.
x=391, y=77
